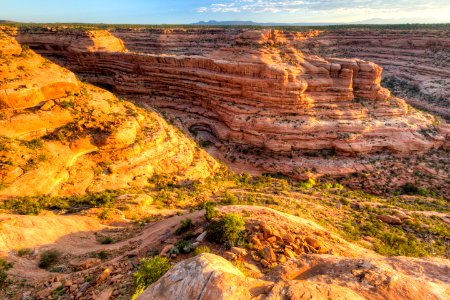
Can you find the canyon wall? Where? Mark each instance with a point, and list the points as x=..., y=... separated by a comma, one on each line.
x=416, y=63
x=250, y=88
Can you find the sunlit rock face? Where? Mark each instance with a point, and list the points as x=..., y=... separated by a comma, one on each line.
x=415, y=61
x=60, y=136
x=251, y=88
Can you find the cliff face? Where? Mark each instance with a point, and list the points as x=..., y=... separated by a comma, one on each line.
x=253, y=89
x=63, y=137
x=415, y=62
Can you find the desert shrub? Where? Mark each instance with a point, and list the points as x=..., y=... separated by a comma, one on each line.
x=411, y=189
x=33, y=144
x=106, y=240
x=310, y=183
x=105, y=214
x=185, y=225
x=4, y=266
x=210, y=212
x=102, y=255
x=24, y=251
x=227, y=230
x=201, y=249
x=230, y=199
x=34, y=205
x=49, y=258
x=150, y=270
x=24, y=206
x=183, y=246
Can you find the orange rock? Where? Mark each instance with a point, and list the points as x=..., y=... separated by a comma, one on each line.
x=103, y=276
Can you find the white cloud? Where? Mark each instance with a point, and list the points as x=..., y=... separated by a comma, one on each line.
x=294, y=6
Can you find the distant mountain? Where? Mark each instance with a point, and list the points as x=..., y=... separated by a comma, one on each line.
x=6, y=21
x=251, y=23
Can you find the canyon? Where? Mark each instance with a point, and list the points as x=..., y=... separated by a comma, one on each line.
x=124, y=146
x=255, y=95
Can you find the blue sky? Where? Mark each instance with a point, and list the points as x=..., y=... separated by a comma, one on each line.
x=188, y=11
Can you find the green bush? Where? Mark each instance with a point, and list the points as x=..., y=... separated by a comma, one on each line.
x=4, y=266
x=49, y=258
x=185, y=225
x=183, y=246
x=150, y=270
x=201, y=249
x=227, y=230
x=411, y=189
x=210, y=212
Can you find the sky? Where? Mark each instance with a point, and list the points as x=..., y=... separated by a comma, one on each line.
x=190, y=11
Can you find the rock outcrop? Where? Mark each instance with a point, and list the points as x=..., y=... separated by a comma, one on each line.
x=208, y=276
x=60, y=136
x=417, y=60
x=254, y=89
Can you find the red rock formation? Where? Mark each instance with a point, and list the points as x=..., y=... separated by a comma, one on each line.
x=420, y=58
x=62, y=137
x=254, y=88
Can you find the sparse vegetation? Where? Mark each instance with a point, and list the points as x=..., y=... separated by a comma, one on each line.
x=48, y=258
x=33, y=144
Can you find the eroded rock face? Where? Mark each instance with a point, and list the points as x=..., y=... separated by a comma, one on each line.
x=60, y=136
x=418, y=59
x=208, y=276
x=255, y=89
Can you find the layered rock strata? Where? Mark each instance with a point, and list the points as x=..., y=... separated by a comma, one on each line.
x=60, y=136
x=418, y=59
x=253, y=88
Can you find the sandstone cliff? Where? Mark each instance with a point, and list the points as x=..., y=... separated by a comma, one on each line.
x=417, y=61
x=61, y=136
x=255, y=89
